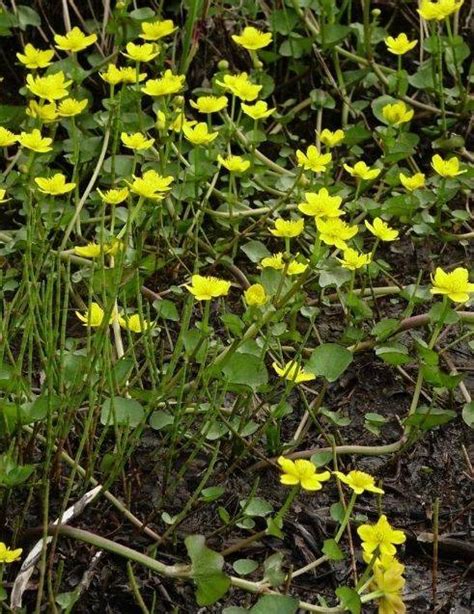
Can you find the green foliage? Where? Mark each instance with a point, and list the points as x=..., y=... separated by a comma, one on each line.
x=206, y=571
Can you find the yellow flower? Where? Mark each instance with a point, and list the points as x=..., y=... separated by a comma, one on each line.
x=438, y=10
x=128, y=74
x=252, y=39
x=91, y=250
x=7, y=555
x=399, y=45
x=114, y=247
x=454, y=285
x=234, y=164
x=397, y=113
x=7, y=138
x=255, y=295
x=209, y=104
x=352, y=260
x=362, y=171
x=199, y=134
x=259, y=110
x=381, y=230
x=296, y=268
x=334, y=231
x=446, y=168
x=414, y=182
x=287, y=228
x=51, y=87
x=75, y=40
x=321, y=204
x=46, y=113
x=141, y=53
x=380, y=535
x=359, y=481
x=55, y=185
x=150, y=185
x=134, y=323
x=2, y=196
x=207, y=288
x=93, y=316
x=273, y=262
x=180, y=121
x=114, y=196
x=301, y=472
x=112, y=75
x=137, y=141
x=390, y=582
x=165, y=85
x=313, y=160
x=70, y=107
x=154, y=30
x=240, y=86
x=384, y=561
x=35, y=58
x=34, y=141
x=293, y=372
x=331, y=139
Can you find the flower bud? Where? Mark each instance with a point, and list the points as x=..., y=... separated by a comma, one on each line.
x=223, y=65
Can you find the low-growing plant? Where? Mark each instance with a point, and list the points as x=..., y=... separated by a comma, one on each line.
x=198, y=239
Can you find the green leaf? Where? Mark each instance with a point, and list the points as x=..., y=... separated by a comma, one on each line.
x=393, y=354
x=358, y=306
x=255, y=251
x=423, y=78
x=356, y=134
x=121, y=412
x=321, y=458
x=426, y=418
x=142, y=14
x=67, y=600
x=12, y=474
x=335, y=417
x=350, y=599
x=329, y=360
x=246, y=370
x=274, y=526
x=212, y=493
x=384, y=328
x=160, y=419
x=38, y=409
x=233, y=323
x=275, y=604
x=167, y=310
x=243, y=567
x=11, y=115
x=333, y=33
x=437, y=311
x=27, y=17
x=273, y=569
x=191, y=339
x=320, y=99
x=468, y=414
x=206, y=570
x=332, y=551
x=428, y=356
x=335, y=276
x=416, y=294
x=284, y=21
x=256, y=506
x=337, y=512
x=436, y=377
x=402, y=146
